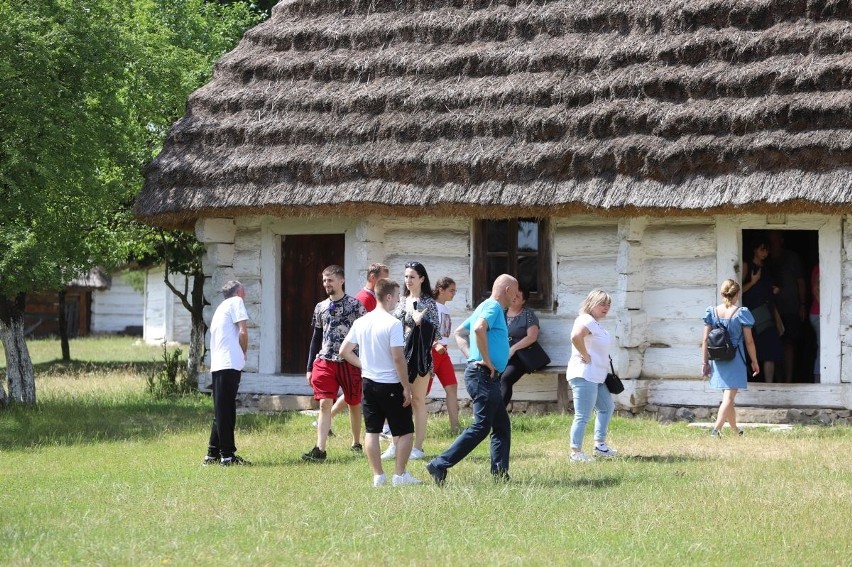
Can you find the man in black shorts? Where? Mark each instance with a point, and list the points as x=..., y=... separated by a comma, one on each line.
x=387, y=393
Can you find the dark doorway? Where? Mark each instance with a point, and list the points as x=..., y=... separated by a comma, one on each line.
x=791, y=260
x=303, y=258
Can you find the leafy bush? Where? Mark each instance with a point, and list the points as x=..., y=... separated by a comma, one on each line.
x=170, y=380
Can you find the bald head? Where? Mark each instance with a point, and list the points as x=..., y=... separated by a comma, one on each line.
x=504, y=289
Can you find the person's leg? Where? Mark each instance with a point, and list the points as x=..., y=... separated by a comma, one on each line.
x=418, y=406
x=354, y=422
x=373, y=450
x=404, y=444
x=324, y=422
x=769, y=371
x=815, y=324
x=339, y=406
x=514, y=371
x=213, y=445
x=585, y=394
x=725, y=411
x=501, y=432
x=475, y=378
x=453, y=407
x=447, y=376
x=731, y=410
x=605, y=407
x=349, y=378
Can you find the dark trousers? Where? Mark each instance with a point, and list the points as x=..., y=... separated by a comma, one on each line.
x=225, y=386
x=489, y=416
x=515, y=370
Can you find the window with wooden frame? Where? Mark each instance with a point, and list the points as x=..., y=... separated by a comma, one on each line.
x=520, y=247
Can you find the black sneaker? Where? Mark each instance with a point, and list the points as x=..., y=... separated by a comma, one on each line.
x=208, y=460
x=314, y=456
x=357, y=448
x=438, y=475
x=234, y=461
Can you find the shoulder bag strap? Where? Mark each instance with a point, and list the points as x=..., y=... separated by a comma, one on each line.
x=610, y=365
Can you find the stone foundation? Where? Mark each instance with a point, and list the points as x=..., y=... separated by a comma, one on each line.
x=666, y=414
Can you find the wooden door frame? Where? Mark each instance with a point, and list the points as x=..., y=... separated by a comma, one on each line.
x=272, y=232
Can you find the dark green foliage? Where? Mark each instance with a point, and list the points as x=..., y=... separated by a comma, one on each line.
x=170, y=379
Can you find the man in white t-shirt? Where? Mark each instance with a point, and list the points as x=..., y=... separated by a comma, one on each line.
x=387, y=394
x=228, y=345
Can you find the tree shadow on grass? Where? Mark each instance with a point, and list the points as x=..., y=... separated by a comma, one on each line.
x=663, y=459
x=600, y=482
x=76, y=421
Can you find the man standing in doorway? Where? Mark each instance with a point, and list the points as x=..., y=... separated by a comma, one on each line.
x=487, y=356
x=228, y=345
x=327, y=372
x=786, y=268
x=387, y=393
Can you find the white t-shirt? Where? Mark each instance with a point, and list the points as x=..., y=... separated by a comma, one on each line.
x=375, y=333
x=445, y=323
x=597, y=345
x=225, y=350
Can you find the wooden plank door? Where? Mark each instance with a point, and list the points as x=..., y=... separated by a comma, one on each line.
x=303, y=258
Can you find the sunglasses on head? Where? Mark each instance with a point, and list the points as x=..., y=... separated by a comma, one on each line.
x=413, y=264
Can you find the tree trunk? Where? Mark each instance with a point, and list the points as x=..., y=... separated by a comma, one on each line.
x=196, y=337
x=63, y=329
x=19, y=365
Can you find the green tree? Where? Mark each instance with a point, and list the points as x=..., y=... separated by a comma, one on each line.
x=88, y=89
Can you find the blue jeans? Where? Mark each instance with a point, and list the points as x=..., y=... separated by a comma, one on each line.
x=489, y=416
x=588, y=396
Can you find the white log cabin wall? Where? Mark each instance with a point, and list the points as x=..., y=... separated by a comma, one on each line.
x=662, y=272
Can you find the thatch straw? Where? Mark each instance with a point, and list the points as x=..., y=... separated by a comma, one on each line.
x=500, y=109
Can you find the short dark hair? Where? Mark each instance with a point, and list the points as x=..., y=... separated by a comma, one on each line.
x=385, y=287
x=376, y=269
x=334, y=270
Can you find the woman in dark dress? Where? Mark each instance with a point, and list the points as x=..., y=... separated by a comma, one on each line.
x=758, y=295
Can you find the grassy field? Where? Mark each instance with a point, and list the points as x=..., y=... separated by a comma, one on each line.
x=101, y=474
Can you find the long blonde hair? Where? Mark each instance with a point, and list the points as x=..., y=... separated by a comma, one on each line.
x=596, y=297
x=730, y=289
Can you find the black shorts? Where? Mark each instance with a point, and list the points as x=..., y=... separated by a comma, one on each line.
x=384, y=402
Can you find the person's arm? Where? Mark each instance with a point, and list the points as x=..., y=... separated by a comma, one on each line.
x=578, y=339
x=705, y=356
x=347, y=353
x=402, y=371
x=752, y=352
x=480, y=333
x=462, y=335
x=243, y=336
x=313, y=350
x=529, y=338
x=803, y=297
x=749, y=279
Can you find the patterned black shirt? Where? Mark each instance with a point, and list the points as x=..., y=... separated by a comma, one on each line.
x=335, y=318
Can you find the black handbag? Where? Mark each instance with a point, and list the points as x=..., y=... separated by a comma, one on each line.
x=613, y=382
x=763, y=318
x=533, y=357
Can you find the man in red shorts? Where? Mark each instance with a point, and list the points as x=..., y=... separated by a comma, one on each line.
x=327, y=371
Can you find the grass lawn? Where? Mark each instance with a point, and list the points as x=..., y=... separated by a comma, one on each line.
x=101, y=474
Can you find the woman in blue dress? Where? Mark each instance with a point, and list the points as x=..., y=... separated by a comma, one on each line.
x=730, y=376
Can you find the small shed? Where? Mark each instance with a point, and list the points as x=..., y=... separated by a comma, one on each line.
x=627, y=145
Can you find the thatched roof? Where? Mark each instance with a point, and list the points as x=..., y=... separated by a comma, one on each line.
x=490, y=108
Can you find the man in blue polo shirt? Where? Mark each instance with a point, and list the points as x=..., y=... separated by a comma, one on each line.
x=487, y=356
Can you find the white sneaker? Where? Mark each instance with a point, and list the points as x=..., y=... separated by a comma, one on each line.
x=404, y=478
x=390, y=453
x=416, y=454
x=581, y=457
x=386, y=433
x=379, y=480
x=604, y=450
